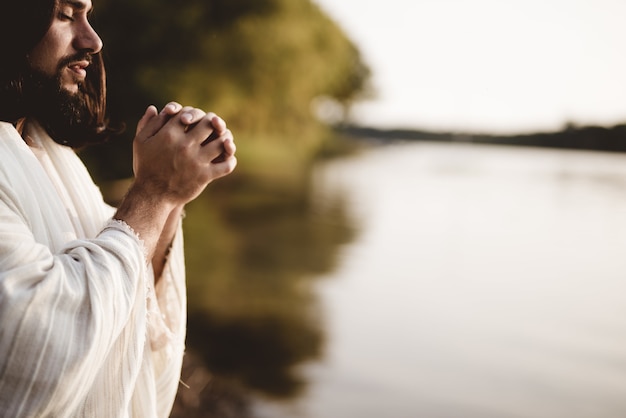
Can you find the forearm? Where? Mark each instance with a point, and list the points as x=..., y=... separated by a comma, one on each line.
x=147, y=215
x=165, y=241
x=100, y=293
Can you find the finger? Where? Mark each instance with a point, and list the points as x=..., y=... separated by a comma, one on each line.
x=229, y=146
x=222, y=135
x=214, y=135
x=218, y=123
x=222, y=157
x=171, y=108
x=201, y=129
x=150, y=112
x=224, y=166
x=213, y=150
x=153, y=124
x=191, y=116
x=228, y=143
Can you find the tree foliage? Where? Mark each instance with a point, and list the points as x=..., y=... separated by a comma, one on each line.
x=257, y=63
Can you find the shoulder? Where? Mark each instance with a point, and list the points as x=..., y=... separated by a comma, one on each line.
x=15, y=155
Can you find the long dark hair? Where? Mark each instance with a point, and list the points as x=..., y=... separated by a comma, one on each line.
x=23, y=23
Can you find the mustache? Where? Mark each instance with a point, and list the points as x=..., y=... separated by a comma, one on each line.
x=80, y=56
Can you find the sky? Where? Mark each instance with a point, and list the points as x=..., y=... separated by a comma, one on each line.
x=490, y=66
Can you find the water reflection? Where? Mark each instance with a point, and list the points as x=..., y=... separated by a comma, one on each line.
x=483, y=282
x=259, y=352
x=251, y=257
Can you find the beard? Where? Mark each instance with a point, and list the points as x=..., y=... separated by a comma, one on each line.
x=63, y=114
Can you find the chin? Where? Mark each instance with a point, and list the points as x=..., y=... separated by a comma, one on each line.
x=70, y=84
x=71, y=88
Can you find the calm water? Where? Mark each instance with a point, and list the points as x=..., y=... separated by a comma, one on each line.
x=483, y=282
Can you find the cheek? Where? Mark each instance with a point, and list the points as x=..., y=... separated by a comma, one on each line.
x=47, y=53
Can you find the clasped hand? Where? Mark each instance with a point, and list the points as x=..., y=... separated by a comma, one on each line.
x=177, y=152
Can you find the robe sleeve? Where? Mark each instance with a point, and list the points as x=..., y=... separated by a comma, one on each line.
x=68, y=320
x=167, y=323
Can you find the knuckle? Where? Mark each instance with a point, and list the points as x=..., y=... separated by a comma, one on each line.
x=187, y=148
x=199, y=113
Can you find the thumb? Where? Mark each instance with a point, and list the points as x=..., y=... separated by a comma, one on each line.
x=151, y=112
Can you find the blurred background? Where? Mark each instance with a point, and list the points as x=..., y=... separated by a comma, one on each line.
x=428, y=218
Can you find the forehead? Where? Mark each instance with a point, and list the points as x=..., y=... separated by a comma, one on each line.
x=76, y=4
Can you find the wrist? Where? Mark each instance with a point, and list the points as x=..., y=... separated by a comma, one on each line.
x=146, y=213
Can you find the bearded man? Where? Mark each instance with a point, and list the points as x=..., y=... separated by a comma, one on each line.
x=92, y=298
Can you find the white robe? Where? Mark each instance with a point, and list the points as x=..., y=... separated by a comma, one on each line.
x=83, y=333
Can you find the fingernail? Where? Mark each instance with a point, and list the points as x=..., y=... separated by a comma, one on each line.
x=166, y=108
x=186, y=117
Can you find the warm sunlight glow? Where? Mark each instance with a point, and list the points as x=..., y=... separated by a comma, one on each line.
x=487, y=65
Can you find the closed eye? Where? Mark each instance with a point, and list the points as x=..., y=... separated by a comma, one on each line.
x=64, y=16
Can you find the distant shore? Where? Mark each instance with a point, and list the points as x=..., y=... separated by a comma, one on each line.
x=612, y=139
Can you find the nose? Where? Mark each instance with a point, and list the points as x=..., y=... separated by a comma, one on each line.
x=86, y=39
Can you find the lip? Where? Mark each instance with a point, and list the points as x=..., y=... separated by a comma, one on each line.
x=79, y=68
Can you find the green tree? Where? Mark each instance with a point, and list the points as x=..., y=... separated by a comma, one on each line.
x=257, y=63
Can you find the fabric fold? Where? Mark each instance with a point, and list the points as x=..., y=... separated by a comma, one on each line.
x=84, y=332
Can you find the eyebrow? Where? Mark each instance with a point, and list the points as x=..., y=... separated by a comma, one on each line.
x=76, y=4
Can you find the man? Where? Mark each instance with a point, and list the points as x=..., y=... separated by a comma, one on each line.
x=92, y=299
